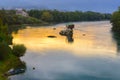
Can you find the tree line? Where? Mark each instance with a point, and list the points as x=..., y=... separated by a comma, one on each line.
x=56, y=16
x=50, y=16
x=115, y=20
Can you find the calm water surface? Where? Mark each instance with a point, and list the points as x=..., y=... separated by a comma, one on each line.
x=93, y=54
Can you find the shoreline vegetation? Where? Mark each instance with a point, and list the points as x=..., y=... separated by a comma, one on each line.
x=115, y=20
x=17, y=19
x=9, y=56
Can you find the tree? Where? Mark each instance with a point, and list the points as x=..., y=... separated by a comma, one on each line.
x=4, y=35
x=19, y=50
x=115, y=20
x=5, y=50
x=56, y=16
x=5, y=40
x=47, y=16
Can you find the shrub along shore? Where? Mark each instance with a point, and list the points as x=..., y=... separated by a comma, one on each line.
x=115, y=20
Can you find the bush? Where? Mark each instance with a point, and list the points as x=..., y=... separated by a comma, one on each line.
x=115, y=20
x=5, y=50
x=19, y=50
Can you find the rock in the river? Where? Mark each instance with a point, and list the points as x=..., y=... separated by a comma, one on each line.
x=14, y=72
x=51, y=36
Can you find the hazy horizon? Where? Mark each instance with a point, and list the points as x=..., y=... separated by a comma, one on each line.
x=104, y=6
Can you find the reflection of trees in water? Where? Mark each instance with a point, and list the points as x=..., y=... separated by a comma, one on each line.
x=116, y=37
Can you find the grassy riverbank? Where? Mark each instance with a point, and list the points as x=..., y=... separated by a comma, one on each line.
x=10, y=62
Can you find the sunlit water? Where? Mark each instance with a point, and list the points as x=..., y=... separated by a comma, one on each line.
x=93, y=55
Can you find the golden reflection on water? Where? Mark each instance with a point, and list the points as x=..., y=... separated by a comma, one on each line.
x=90, y=41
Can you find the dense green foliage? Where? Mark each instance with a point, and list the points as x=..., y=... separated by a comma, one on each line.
x=19, y=50
x=8, y=59
x=5, y=40
x=67, y=16
x=5, y=50
x=115, y=20
x=43, y=17
x=10, y=17
x=47, y=16
x=16, y=22
x=4, y=35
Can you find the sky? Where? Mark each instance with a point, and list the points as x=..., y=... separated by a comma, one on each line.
x=104, y=6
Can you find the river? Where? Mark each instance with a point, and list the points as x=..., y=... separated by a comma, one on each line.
x=93, y=54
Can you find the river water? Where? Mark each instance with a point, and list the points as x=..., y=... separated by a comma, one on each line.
x=93, y=54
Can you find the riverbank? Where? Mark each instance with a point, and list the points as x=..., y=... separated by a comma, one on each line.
x=10, y=62
x=9, y=57
x=15, y=28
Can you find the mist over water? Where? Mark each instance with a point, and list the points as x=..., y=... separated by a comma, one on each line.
x=93, y=55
